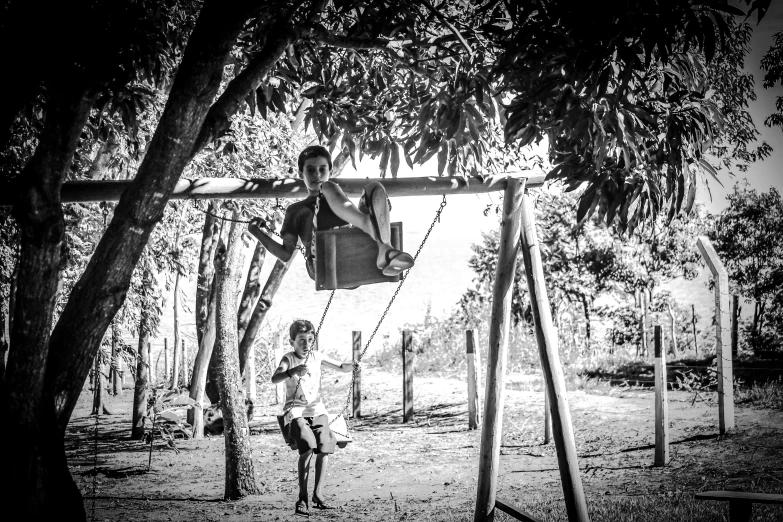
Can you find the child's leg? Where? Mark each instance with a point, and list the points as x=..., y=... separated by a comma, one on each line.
x=304, y=473
x=346, y=210
x=321, y=463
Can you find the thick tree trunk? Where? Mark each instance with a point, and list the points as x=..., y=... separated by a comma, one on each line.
x=262, y=307
x=240, y=473
x=249, y=297
x=142, y=371
x=42, y=487
x=101, y=290
x=200, y=365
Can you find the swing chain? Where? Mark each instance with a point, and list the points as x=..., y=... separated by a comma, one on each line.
x=97, y=383
x=272, y=231
x=388, y=307
x=317, y=331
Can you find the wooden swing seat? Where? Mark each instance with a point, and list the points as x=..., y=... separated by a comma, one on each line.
x=345, y=258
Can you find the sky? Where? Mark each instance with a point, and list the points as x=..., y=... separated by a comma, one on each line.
x=442, y=274
x=768, y=173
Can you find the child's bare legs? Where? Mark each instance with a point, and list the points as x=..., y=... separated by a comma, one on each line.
x=321, y=463
x=347, y=211
x=304, y=473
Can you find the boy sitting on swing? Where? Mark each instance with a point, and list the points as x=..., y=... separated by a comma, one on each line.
x=325, y=207
x=305, y=413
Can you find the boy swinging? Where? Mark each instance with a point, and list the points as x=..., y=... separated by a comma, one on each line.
x=325, y=207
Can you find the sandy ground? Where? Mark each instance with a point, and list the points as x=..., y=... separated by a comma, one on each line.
x=427, y=469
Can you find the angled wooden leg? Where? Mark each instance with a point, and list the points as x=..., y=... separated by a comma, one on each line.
x=740, y=511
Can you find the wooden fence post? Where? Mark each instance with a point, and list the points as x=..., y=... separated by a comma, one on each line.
x=722, y=335
x=736, y=309
x=474, y=407
x=407, y=375
x=356, y=343
x=661, y=405
x=546, y=337
x=547, y=419
x=497, y=353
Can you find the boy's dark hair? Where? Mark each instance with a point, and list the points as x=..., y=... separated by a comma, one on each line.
x=300, y=326
x=314, y=151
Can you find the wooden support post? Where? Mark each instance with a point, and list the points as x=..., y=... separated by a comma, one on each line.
x=356, y=342
x=722, y=335
x=661, y=405
x=407, y=376
x=497, y=353
x=474, y=406
x=546, y=337
x=735, y=316
x=547, y=419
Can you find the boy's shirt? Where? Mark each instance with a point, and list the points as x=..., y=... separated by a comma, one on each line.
x=307, y=402
x=298, y=222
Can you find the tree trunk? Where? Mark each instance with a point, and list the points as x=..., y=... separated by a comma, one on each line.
x=42, y=487
x=98, y=390
x=200, y=365
x=206, y=267
x=249, y=297
x=175, y=352
x=176, y=366
x=262, y=307
x=184, y=380
x=644, y=321
x=142, y=371
x=673, y=336
x=116, y=378
x=240, y=473
x=101, y=290
x=693, y=325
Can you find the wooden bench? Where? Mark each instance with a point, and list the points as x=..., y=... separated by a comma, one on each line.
x=740, y=503
x=511, y=509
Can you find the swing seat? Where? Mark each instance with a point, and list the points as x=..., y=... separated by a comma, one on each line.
x=336, y=424
x=345, y=258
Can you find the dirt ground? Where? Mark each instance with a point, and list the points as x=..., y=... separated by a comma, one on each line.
x=427, y=469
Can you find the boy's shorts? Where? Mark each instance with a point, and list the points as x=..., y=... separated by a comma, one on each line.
x=312, y=433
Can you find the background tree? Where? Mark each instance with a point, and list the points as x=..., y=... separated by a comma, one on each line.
x=748, y=236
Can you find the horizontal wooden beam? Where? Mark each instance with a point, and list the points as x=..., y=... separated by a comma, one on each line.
x=235, y=188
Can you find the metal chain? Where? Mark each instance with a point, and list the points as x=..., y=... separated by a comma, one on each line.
x=388, y=307
x=307, y=357
x=97, y=384
x=272, y=231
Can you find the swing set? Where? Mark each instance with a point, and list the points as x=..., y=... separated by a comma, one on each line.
x=339, y=265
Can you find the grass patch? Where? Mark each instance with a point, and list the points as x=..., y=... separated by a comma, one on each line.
x=765, y=395
x=652, y=508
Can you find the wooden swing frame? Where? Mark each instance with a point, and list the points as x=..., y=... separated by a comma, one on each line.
x=517, y=232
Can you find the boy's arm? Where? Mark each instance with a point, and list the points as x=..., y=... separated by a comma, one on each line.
x=282, y=252
x=344, y=367
x=281, y=373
